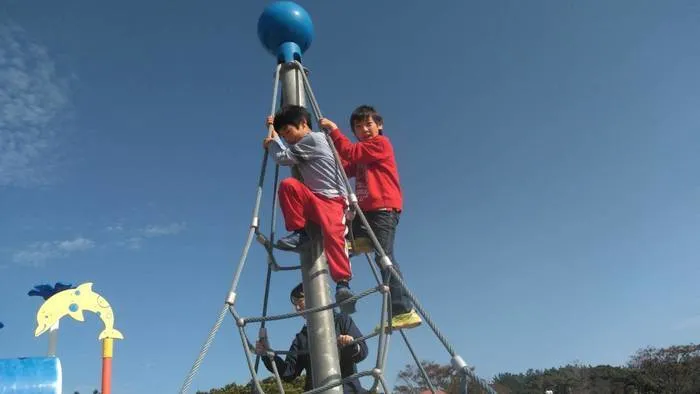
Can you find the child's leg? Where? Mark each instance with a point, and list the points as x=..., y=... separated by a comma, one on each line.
x=293, y=196
x=331, y=217
x=296, y=203
x=383, y=224
x=332, y=221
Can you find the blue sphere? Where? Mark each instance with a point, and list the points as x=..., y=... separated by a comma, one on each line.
x=285, y=30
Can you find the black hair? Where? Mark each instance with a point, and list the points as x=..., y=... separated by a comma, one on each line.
x=291, y=115
x=297, y=292
x=362, y=113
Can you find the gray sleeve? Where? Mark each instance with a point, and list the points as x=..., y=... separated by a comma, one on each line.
x=281, y=154
x=310, y=147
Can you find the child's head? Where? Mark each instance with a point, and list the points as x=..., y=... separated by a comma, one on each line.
x=292, y=122
x=366, y=122
x=297, y=297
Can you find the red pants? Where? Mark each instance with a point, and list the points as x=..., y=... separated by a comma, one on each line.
x=299, y=204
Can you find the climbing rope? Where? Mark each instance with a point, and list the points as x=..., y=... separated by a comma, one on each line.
x=270, y=259
x=203, y=352
x=382, y=287
x=231, y=298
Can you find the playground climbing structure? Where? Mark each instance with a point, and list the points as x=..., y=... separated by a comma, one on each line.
x=286, y=31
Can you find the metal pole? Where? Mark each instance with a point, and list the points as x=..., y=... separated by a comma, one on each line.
x=292, y=86
x=285, y=29
x=53, y=339
x=323, y=349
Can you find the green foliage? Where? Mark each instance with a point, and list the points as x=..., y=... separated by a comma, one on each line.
x=650, y=371
x=675, y=369
x=411, y=379
x=269, y=385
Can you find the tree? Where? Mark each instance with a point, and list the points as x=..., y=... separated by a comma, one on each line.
x=268, y=385
x=674, y=369
x=412, y=380
x=444, y=378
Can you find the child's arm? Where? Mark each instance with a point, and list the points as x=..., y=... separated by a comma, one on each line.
x=350, y=168
x=363, y=152
x=359, y=351
x=280, y=153
x=290, y=367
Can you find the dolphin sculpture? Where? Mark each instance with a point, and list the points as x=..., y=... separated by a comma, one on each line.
x=73, y=302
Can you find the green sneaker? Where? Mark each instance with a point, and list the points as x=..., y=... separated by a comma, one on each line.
x=404, y=321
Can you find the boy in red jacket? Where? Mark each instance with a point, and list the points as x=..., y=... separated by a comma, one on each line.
x=371, y=161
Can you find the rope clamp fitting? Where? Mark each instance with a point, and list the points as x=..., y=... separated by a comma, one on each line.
x=231, y=299
x=385, y=262
x=458, y=362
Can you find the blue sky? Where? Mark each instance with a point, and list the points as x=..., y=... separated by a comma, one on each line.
x=547, y=149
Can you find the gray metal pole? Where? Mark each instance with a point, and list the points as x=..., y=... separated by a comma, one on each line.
x=323, y=349
x=292, y=86
x=53, y=339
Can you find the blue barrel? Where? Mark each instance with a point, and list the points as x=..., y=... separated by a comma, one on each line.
x=36, y=375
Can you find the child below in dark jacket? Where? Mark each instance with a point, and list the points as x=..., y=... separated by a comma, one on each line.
x=295, y=363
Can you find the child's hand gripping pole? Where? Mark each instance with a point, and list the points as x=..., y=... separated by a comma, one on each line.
x=262, y=347
x=271, y=134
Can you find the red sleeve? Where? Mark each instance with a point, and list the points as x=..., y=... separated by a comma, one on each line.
x=350, y=168
x=363, y=152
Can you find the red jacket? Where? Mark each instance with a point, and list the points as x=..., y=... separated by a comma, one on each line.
x=373, y=165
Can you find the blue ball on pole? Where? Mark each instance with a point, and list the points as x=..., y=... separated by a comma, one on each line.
x=285, y=30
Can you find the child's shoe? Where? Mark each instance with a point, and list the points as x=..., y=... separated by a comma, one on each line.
x=294, y=241
x=342, y=293
x=362, y=246
x=404, y=321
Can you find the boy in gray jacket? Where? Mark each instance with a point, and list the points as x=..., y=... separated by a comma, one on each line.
x=321, y=198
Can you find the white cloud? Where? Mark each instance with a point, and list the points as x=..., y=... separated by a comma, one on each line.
x=139, y=236
x=33, y=100
x=77, y=244
x=160, y=230
x=37, y=253
x=133, y=243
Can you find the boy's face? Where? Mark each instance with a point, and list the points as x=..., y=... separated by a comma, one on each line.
x=292, y=134
x=366, y=129
x=299, y=305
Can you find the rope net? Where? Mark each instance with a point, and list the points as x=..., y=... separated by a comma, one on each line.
x=464, y=372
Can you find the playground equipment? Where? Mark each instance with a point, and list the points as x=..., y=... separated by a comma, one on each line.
x=43, y=375
x=47, y=291
x=32, y=375
x=286, y=31
x=73, y=302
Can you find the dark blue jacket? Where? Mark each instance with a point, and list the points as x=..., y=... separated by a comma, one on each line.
x=294, y=363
